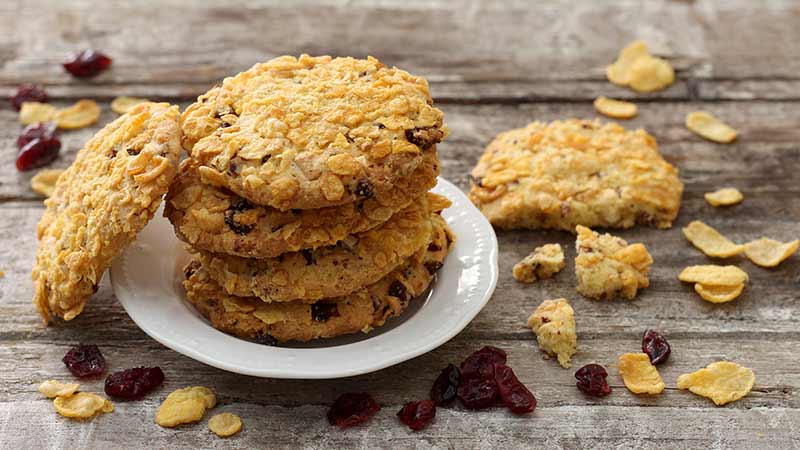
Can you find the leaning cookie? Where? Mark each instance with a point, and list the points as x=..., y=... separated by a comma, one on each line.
x=332, y=271
x=361, y=310
x=313, y=132
x=575, y=172
x=100, y=203
x=219, y=221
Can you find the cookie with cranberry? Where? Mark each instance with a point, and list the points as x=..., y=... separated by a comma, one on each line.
x=219, y=221
x=313, y=132
x=361, y=310
x=330, y=271
x=100, y=203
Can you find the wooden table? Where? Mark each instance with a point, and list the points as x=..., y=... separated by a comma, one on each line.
x=492, y=66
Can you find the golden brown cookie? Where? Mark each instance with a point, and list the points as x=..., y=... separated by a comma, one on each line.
x=331, y=271
x=575, y=172
x=100, y=203
x=360, y=310
x=217, y=220
x=313, y=132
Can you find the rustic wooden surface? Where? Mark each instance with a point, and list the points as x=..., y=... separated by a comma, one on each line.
x=492, y=66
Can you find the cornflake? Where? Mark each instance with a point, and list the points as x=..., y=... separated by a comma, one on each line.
x=768, y=252
x=225, y=424
x=723, y=382
x=44, y=182
x=724, y=197
x=543, y=262
x=637, y=68
x=639, y=374
x=121, y=105
x=615, y=108
x=718, y=294
x=53, y=388
x=185, y=405
x=33, y=112
x=709, y=127
x=554, y=325
x=651, y=74
x=83, y=405
x=82, y=114
x=710, y=241
x=711, y=275
x=619, y=72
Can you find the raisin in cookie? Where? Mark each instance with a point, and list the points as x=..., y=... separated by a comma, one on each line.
x=360, y=310
x=327, y=271
x=575, y=172
x=100, y=203
x=606, y=266
x=312, y=132
x=217, y=220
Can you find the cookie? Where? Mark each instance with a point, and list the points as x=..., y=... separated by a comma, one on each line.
x=607, y=267
x=575, y=172
x=100, y=203
x=360, y=310
x=313, y=132
x=331, y=271
x=217, y=220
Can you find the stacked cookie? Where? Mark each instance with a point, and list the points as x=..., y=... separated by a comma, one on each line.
x=305, y=198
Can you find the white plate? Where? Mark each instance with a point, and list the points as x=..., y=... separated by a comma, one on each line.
x=146, y=280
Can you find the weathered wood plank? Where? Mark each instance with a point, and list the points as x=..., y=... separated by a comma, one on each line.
x=478, y=91
x=444, y=40
x=279, y=427
x=767, y=143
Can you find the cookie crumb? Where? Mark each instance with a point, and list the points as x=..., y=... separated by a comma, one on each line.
x=543, y=262
x=554, y=325
x=607, y=266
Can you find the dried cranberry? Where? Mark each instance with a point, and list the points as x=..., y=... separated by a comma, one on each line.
x=364, y=189
x=132, y=384
x=87, y=63
x=482, y=361
x=37, y=153
x=85, y=361
x=592, y=380
x=514, y=394
x=656, y=346
x=230, y=219
x=28, y=93
x=417, y=415
x=41, y=130
x=445, y=388
x=477, y=392
x=266, y=339
x=322, y=311
x=352, y=409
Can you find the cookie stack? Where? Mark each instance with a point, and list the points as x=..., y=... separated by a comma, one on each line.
x=305, y=198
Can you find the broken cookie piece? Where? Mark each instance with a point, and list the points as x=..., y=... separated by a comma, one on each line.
x=607, y=267
x=543, y=262
x=554, y=325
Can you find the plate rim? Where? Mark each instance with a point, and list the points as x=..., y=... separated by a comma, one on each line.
x=492, y=254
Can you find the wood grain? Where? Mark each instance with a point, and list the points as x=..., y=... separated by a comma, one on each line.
x=492, y=66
